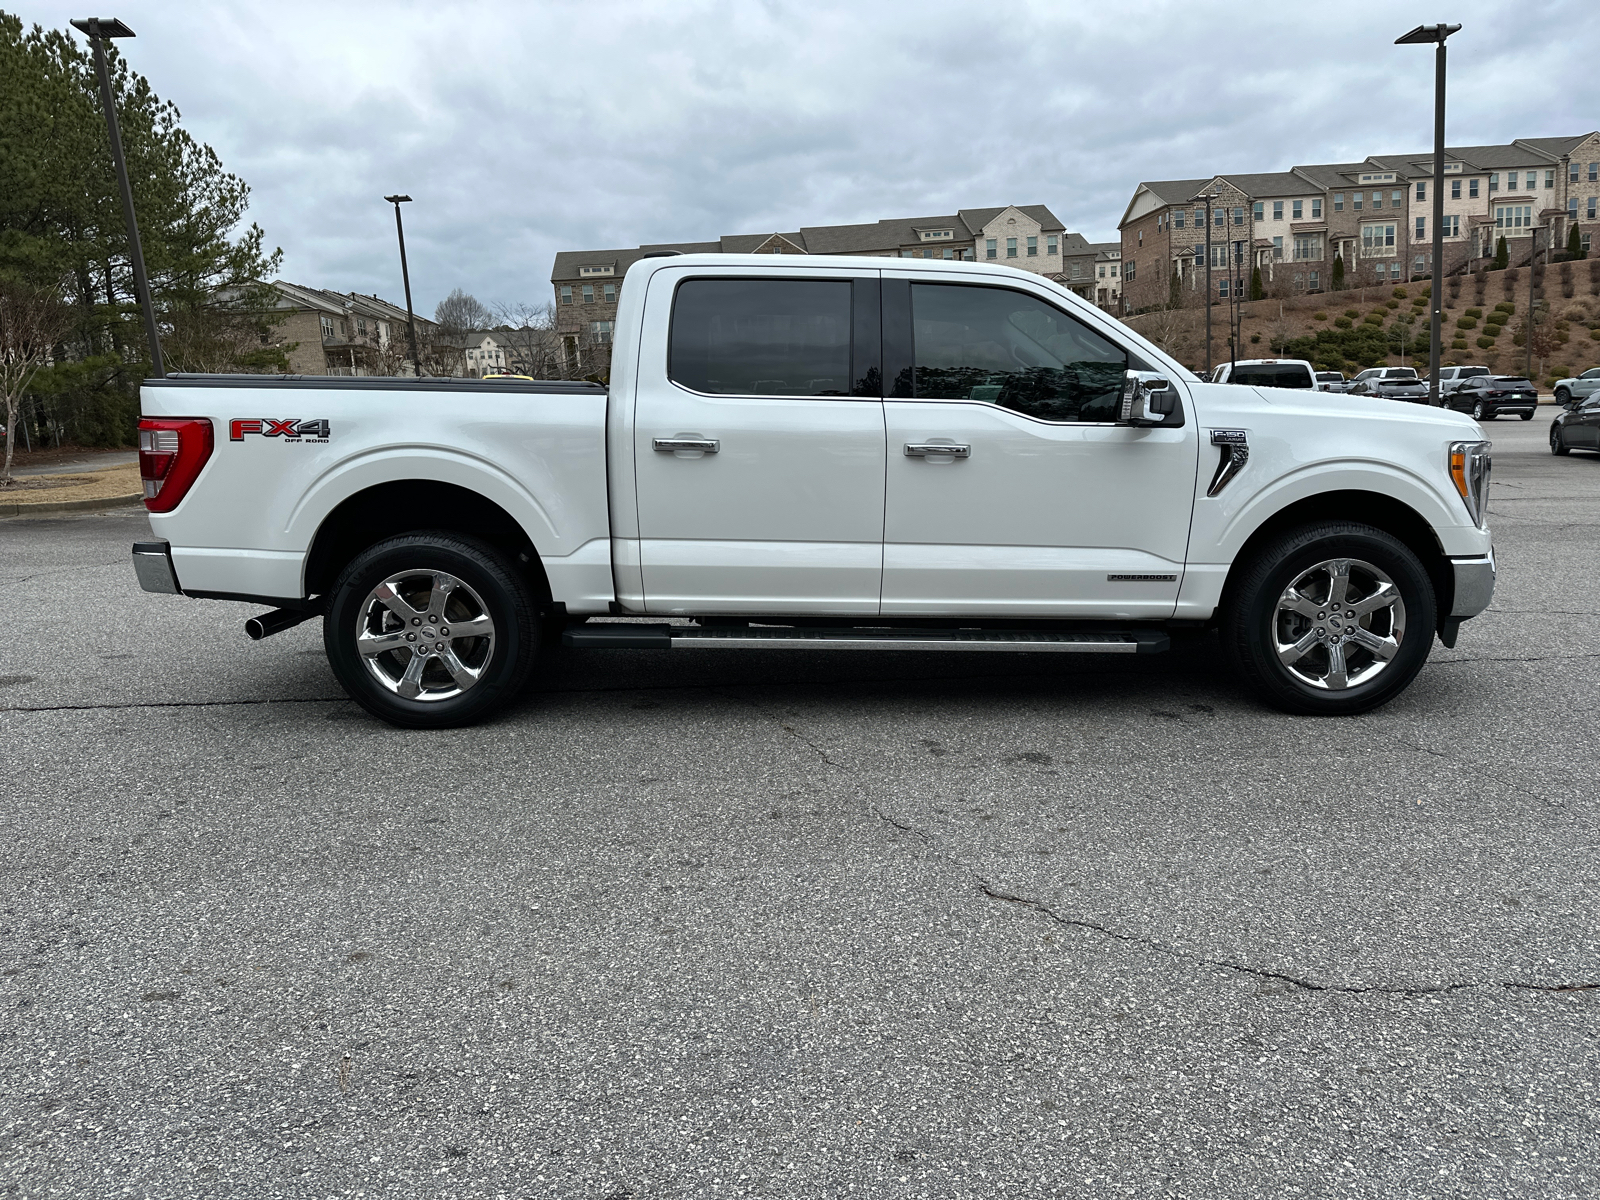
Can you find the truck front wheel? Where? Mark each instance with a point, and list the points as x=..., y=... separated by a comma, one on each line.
x=430, y=630
x=1330, y=619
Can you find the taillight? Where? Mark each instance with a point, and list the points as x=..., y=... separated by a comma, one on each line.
x=171, y=452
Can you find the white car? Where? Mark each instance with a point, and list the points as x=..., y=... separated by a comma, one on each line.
x=1579, y=388
x=1268, y=372
x=821, y=453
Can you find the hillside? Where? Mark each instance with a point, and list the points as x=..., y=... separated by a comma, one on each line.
x=1388, y=326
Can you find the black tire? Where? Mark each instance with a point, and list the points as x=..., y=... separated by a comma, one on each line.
x=1563, y=397
x=1558, y=444
x=493, y=584
x=1527, y=416
x=1250, y=617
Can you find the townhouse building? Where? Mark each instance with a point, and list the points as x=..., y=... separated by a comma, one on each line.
x=1373, y=218
x=339, y=333
x=587, y=283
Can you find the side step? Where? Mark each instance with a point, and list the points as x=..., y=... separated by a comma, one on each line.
x=621, y=636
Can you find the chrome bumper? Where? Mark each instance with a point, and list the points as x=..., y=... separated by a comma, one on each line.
x=1474, y=585
x=152, y=563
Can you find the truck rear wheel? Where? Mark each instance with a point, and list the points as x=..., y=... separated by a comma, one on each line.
x=1330, y=619
x=430, y=630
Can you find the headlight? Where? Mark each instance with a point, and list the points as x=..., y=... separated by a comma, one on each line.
x=1469, y=471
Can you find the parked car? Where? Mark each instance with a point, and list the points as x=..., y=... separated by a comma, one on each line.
x=1267, y=372
x=1585, y=385
x=822, y=453
x=1487, y=396
x=1451, y=378
x=1372, y=373
x=1577, y=427
x=1400, y=387
x=1332, y=381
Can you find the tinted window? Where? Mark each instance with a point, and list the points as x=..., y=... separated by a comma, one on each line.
x=1014, y=350
x=1278, y=375
x=1468, y=372
x=1330, y=377
x=762, y=337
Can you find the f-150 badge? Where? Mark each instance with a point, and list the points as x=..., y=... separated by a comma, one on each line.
x=294, y=429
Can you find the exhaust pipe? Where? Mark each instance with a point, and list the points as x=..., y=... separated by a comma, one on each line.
x=276, y=621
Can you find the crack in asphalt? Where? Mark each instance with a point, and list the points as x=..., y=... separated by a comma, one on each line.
x=167, y=704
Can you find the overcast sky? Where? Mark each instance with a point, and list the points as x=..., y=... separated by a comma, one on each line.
x=525, y=128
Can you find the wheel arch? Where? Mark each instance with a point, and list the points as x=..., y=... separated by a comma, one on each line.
x=403, y=506
x=1383, y=512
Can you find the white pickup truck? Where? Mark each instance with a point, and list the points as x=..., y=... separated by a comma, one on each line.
x=823, y=453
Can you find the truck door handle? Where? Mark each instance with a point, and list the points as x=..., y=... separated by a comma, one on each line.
x=705, y=445
x=923, y=449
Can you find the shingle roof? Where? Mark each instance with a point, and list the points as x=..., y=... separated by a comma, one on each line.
x=977, y=218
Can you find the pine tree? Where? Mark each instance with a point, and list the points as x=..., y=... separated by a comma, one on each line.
x=1256, y=292
x=1574, y=242
x=1502, y=255
x=1336, y=281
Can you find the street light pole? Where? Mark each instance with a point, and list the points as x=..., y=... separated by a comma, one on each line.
x=1207, y=198
x=1527, y=325
x=405, y=275
x=98, y=29
x=1422, y=35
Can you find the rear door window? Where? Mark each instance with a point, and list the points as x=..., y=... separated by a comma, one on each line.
x=761, y=337
x=1011, y=349
x=1277, y=375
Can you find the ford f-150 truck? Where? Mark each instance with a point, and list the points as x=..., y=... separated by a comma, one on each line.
x=823, y=453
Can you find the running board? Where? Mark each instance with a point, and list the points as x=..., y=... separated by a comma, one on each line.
x=622, y=636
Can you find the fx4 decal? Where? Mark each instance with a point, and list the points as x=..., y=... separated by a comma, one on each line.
x=294, y=429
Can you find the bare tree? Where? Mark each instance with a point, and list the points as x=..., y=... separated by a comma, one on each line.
x=32, y=321
x=535, y=346
x=460, y=312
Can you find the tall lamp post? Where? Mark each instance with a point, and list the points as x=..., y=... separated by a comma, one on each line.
x=405, y=275
x=1420, y=36
x=1207, y=198
x=98, y=29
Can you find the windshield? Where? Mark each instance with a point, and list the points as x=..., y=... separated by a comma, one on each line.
x=1278, y=375
x=1330, y=377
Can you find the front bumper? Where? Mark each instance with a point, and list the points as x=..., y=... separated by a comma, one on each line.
x=152, y=563
x=1474, y=585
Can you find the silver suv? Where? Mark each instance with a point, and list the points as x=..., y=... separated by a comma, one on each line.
x=1450, y=378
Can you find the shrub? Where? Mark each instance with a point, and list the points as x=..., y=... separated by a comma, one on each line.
x=1319, y=316
x=1391, y=304
x=1474, y=312
x=1352, y=313
x=1467, y=322
x=1486, y=343
x=1459, y=343
x=1595, y=334
x=1375, y=317
x=1255, y=338
x=1344, y=323
x=1505, y=306
x=1399, y=293
x=1427, y=291
x=1492, y=330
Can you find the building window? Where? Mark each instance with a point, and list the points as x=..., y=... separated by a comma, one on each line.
x=1338, y=202
x=1594, y=172
x=1141, y=237
x=1316, y=209
x=609, y=291
x=1102, y=271
x=988, y=248
x=1178, y=216
x=1572, y=208
x=949, y=252
x=1452, y=226
x=1199, y=217
x=1222, y=287
x=588, y=293
x=1219, y=256
x=1011, y=246
x=1377, y=240
x=1422, y=228
x=1572, y=173
x=1277, y=211
x=566, y=293
x=1128, y=274
x=1238, y=216
x=1455, y=189
x=1033, y=246
x=1494, y=181
x=1583, y=242
x=1114, y=267
x=1422, y=189
x=1549, y=179
x=1199, y=256
x=1307, y=246
x=1472, y=189
x=1591, y=208
x=1355, y=200
x=1513, y=216
x=1315, y=276
x=1050, y=242
x=1277, y=247
x=361, y=327
x=327, y=328
x=1219, y=216
x=601, y=331
x=1420, y=266
x=1299, y=209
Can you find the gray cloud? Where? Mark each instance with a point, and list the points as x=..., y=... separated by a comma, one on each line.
x=523, y=129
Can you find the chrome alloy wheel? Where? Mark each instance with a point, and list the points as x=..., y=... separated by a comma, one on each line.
x=425, y=635
x=1339, y=624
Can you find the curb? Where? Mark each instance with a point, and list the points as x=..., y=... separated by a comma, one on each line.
x=66, y=506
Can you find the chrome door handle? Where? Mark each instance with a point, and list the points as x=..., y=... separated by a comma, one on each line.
x=923, y=449
x=706, y=445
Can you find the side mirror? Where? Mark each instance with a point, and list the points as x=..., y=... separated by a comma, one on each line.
x=1147, y=399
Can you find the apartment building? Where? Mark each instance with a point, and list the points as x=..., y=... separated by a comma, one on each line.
x=1093, y=271
x=1374, y=217
x=1029, y=236
x=339, y=333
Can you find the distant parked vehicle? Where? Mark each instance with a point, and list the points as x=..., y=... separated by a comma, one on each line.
x=1372, y=373
x=1487, y=396
x=1450, y=378
x=1332, y=381
x=1267, y=372
x=1411, y=389
x=1585, y=385
x=1577, y=427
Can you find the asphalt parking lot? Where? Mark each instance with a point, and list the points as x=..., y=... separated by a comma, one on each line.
x=782, y=924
